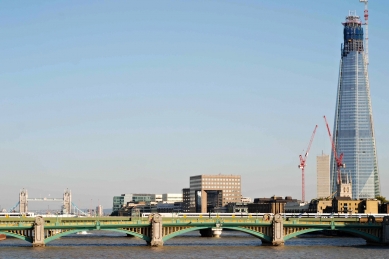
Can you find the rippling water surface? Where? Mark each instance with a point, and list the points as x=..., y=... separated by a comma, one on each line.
x=102, y=244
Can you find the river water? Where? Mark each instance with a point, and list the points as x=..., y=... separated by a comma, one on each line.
x=103, y=244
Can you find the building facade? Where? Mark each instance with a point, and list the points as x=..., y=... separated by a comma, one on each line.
x=273, y=204
x=345, y=205
x=158, y=198
x=186, y=199
x=120, y=201
x=239, y=207
x=369, y=206
x=353, y=133
x=245, y=199
x=99, y=211
x=324, y=206
x=175, y=207
x=171, y=197
x=210, y=192
x=143, y=197
x=384, y=208
x=323, y=176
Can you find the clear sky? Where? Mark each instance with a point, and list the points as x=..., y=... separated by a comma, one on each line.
x=112, y=97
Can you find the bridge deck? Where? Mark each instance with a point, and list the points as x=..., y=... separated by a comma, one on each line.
x=82, y=222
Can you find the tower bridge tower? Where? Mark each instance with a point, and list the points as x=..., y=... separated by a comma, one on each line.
x=66, y=201
x=23, y=203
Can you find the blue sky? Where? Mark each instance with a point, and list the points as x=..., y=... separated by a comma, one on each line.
x=111, y=97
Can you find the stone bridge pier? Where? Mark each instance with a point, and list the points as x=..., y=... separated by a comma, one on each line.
x=278, y=230
x=156, y=230
x=39, y=232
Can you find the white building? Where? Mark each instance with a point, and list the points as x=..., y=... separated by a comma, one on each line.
x=171, y=197
x=99, y=211
x=245, y=199
x=158, y=198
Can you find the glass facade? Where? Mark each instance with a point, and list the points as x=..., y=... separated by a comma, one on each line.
x=120, y=201
x=353, y=133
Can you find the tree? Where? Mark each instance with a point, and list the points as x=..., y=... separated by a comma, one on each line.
x=382, y=199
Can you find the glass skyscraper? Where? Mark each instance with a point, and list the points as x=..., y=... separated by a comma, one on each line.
x=353, y=133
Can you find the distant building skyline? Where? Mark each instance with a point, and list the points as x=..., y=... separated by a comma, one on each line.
x=123, y=199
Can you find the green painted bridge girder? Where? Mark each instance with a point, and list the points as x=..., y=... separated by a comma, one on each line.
x=195, y=228
x=357, y=233
x=362, y=225
x=25, y=238
x=259, y=235
x=69, y=232
x=17, y=228
x=183, y=231
x=95, y=226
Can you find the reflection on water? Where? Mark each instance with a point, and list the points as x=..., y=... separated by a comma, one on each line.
x=104, y=244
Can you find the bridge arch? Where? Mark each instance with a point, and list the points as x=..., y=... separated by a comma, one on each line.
x=364, y=235
x=69, y=232
x=182, y=231
x=259, y=235
x=263, y=237
x=24, y=238
x=355, y=232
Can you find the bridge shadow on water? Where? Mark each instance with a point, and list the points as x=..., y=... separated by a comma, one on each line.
x=228, y=238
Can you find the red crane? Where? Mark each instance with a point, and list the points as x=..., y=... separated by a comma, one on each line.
x=338, y=159
x=303, y=164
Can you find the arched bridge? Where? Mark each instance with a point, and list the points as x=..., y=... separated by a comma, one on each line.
x=156, y=230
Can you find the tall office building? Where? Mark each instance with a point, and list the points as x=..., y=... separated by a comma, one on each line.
x=323, y=176
x=212, y=192
x=353, y=127
x=185, y=199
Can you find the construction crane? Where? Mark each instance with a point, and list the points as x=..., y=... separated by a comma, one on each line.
x=331, y=196
x=366, y=15
x=325, y=198
x=303, y=164
x=338, y=159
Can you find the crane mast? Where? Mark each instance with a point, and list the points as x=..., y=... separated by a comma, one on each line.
x=338, y=159
x=303, y=164
x=366, y=16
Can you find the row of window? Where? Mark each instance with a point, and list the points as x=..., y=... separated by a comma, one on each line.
x=221, y=179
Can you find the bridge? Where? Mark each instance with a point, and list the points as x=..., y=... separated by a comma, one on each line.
x=67, y=207
x=156, y=230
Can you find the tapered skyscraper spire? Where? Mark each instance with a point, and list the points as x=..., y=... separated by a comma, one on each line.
x=353, y=127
